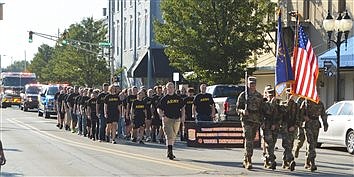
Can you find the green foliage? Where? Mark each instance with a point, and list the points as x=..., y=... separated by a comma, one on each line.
x=17, y=66
x=76, y=62
x=214, y=38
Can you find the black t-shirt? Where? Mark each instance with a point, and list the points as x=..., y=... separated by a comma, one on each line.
x=83, y=102
x=71, y=99
x=56, y=96
x=78, y=100
x=148, y=102
x=188, y=101
x=92, y=104
x=112, y=102
x=100, y=102
x=138, y=108
x=203, y=103
x=171, y=105
x=61, y=98
x=130, y=100
x=155, y=102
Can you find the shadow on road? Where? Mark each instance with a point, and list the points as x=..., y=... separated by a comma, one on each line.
x=10, y=174
x=11, y=149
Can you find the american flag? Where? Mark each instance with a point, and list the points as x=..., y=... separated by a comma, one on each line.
x=305, y=67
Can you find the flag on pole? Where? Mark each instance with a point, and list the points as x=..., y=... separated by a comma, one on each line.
x=283, y=70
x=305, y=68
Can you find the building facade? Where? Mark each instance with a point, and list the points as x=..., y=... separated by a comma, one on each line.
x=312, y=12
x=134, y=48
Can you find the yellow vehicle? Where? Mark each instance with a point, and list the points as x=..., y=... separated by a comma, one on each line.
x=11, y=86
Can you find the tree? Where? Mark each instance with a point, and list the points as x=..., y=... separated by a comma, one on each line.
x=40, y=62
x=17, y=66
x=76, y=61
x=214, y=39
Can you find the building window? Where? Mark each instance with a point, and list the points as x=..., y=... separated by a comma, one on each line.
x=146, y=27
x=341, y=6
x=139, y=26
x=131, y=3
x=131, y=32
x=117, y=6
x=125, y=34
x=124, y=3
x=306, y=10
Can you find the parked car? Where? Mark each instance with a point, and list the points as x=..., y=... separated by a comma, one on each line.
x=340, y=126
x=225, y=98
x=46, y=100
x=29, y=98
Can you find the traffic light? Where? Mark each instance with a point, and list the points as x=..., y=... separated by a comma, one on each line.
x=64, y=41
x=30, y=36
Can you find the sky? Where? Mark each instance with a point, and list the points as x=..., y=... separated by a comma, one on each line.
x=42, y=16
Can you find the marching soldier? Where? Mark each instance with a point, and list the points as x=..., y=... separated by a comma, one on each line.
x=270, y=127
x=289, y=125
x=249, y=106
x=301, y=132
x=312, y=125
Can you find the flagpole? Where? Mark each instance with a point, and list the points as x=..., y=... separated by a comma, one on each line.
x=296, y=40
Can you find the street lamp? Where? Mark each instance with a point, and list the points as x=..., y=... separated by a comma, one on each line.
x=340, y=25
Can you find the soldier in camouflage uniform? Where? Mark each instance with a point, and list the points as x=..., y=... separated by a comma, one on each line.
x=312, y=125
x=270, y=127
x=289, y=125
x=249, y=109
x=301, y=132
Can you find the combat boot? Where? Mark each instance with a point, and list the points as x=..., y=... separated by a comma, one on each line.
x=313, y=165
x=285, y=164
x=296, y=153
x=249, y=163
x=266, y=162
x=292, y=165
x=244, y=163
x=307, y=164
x=273, y=165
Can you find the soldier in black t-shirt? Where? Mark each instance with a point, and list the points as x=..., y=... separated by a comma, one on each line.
x=72, y=110
x=171, y=110
x=60, y=109
x=138, y=116
x=100, y=112
x=86, y=124
x=203, y=105
x=188, y=101
x=66, y=108
x=56, y=96
x=156, y=131
x=92, y=115
x=112, y=111
x=148, y=101
x=77, y=103
x=129, y=100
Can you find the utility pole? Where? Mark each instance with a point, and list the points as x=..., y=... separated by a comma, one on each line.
x=25, y=67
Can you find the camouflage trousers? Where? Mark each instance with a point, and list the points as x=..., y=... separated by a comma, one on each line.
x=249, y=132
x=288, y=143
x=270, y=137
x=300, y=137
x=312, y=128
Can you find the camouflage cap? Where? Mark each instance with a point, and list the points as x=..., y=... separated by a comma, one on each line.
x=251, y=79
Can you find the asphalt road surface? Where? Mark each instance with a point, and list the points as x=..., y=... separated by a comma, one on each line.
x=34, y=146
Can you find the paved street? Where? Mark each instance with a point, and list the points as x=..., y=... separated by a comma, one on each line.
x=34, y=146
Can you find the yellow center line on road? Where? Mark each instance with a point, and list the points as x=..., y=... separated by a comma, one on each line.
x=177, y=164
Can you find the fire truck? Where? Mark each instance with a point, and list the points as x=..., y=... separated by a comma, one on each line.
x=11, y=86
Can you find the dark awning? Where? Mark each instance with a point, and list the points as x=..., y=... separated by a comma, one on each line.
x=160, y=65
